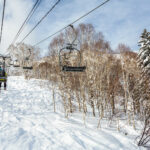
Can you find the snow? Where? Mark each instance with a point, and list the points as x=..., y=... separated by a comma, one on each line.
x=27, y=122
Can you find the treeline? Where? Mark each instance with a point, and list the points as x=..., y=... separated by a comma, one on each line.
x=110, y=80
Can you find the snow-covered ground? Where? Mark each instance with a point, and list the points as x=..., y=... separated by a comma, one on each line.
x=27, y=122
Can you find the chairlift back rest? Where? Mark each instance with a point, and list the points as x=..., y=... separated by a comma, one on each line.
x=16, y=66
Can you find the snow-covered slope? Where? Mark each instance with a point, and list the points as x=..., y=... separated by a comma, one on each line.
x=27, y=122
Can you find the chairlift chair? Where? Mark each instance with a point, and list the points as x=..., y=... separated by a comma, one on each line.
x=27, y=64
x=16, y=64
x=11, y=63
x=70, y=48
x=27, y=67
x=69, y=68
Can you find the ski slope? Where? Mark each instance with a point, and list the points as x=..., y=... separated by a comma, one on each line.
x=27, y=122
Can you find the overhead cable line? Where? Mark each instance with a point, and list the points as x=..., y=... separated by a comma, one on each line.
x=3, y=13
x=40, y=20
x=72, y=22
x=35, y=6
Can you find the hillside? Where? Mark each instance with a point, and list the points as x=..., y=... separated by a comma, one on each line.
x=29, y=123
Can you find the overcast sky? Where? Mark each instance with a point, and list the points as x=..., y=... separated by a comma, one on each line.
x=121, y=21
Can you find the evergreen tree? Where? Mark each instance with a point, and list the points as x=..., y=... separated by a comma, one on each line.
x=144, y=65
x=144, y=53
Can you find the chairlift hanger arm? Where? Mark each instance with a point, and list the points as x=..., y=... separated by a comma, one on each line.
x=72, y=27
x=27, y=58
x=100, y=5
x=29, y=53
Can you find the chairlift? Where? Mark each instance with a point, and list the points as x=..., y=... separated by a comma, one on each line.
x=67, y=53
x=16, y=64
x=27, y=64
x=28, y=67
x=3, y=61
x=11, y=63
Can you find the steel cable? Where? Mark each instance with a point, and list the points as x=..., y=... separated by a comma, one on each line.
x=3, y=14
x=40, y=20
x=72, y=22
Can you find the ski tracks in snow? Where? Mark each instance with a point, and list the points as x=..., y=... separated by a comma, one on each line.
x=27, y=122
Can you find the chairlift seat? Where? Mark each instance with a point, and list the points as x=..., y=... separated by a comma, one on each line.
x=73, y=69
x=28, y=68
x=16, y=66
